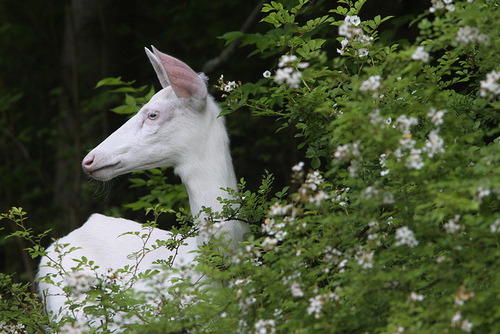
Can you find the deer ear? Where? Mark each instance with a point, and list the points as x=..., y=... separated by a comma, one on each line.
x=160, y=71
x=183, y=80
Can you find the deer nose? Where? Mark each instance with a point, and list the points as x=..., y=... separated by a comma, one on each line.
x=88, y=163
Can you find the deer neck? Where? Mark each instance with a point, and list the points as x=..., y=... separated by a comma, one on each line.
x=209, y=169
x=207, y=172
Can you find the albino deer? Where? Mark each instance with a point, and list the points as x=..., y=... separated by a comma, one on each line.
x=179, y=127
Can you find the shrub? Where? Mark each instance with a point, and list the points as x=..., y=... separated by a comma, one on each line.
x=395, y=227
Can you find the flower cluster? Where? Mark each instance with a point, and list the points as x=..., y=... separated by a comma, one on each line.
x=365, y=258
x=289, y=71
x=246, y=304
x=471, y=35
x=332, y=256
x=405, y=236
x=296, y=289
x=462, y=296
x=309, y=190
x=433, y=144
x=228, y=86
x=354, y=35
x=416, y=297
x=276, y=229
x=77, y=327
x=465, y=325
x=436, y=116
x=316, y=303
x=348, y=152
x=442, y=4
x=80, y=282
x=404, y=123
x=12, y=329
x=376, y=119
x=383, y=164
x=265, y=326
x=451, y=226
x=371, y=85
x=490, y=86
x=340, y=196
x=414, y=160
x=420, y=54
x=495, y=226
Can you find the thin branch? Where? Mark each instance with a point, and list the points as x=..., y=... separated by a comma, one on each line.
x=213, y=63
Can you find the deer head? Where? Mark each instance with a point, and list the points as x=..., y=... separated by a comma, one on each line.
x=168, y=131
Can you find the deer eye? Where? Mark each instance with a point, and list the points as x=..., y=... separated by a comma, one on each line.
x=152, y=115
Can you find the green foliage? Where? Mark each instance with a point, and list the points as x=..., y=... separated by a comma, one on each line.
x=396, y=229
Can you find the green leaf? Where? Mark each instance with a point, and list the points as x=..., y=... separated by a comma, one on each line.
x=232, y=36
x=110, y=82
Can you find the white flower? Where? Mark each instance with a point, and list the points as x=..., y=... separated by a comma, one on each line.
x=466, y=326
x=420, y=54
x=482, y=192
x=384, y=172
x=298, y=167
x=269, y=243
x=416, y=297
x=407, y=143
x=315, y=306
x=456, y=319
x=471, y=35
x=318, y=198
x=490, y=86
x=313, y=180
x=296, y=289
x=365, y=259
x=355, y=20
x=302, y=65
x=278, y=210
x=80, y=282
x=344, y=30
x=289, y=76
x=436, y=116
x=286, y=59
x=266, y=74
x=451, y=226
x=265, y=326
x=415, y=161
x=230, y=86
x=405, y=236
x=370, y=192
x=442, y=4
x=245, y=304
x=372, y=84
x=495, y=227
x=343, y=43
x=73, y=328
x=404, y=123
x=434, y=144
x=362, y=52
x=332, y=255
x=342, y=152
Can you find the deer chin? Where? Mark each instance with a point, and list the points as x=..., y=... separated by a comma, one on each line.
x=105, y=173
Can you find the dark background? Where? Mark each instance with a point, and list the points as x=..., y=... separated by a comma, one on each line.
x=52, y=54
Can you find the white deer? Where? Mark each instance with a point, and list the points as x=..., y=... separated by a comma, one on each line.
x=179, y=127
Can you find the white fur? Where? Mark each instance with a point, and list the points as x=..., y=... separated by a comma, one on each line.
x=186, y=134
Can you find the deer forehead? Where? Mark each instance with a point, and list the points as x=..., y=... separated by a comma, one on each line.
x=164, y=99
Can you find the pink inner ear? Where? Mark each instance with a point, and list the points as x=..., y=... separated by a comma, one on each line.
x=184, y=81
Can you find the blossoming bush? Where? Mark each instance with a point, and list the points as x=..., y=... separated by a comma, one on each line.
x=391, y=226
